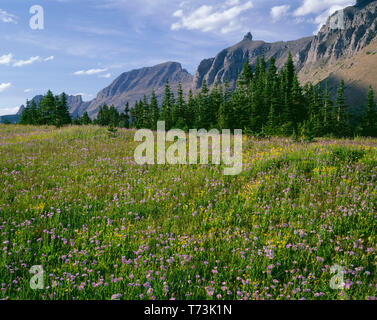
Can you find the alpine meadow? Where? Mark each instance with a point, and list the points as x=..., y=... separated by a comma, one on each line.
x=252, y=175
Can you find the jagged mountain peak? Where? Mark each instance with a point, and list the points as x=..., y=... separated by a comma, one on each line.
x=248, y=37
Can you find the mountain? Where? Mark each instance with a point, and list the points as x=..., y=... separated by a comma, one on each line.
x=133, y=85
x=347, y=53
x=229, y=62
x=333, y=54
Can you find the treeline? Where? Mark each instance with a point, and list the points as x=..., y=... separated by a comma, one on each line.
x=52, y=110
x=265, y=102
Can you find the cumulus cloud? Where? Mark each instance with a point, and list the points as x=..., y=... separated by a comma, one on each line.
x=279, y=11
x=321, y=9
x=318, y=6
x=210, y=18
x=6, y=59
x=7, y=17
x=89, y=72
x=4, y=86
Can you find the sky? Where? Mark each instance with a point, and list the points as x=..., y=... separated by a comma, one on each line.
x=80, y=47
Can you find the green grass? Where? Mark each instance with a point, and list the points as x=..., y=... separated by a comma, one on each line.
x=74, y=201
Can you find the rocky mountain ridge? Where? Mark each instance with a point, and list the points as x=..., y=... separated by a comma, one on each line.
x=343, y=38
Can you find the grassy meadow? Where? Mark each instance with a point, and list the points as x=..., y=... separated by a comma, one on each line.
x=74, y=201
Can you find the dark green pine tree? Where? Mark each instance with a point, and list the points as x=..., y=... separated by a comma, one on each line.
x=328, y=111
x=26, y=117
x=133, y=116
x=241, y=104
x=126, y=116
x=190, y=116
x=288, y=83
x=85, y=119
x=155, y=111
x=167, y=107
x=298, y=107
x=215, y=99
x=34, y=112
x=100, y=117
x=179, y=110
x=370, y=120
x=62, y=116
x=147, y=123
x=139, y=111
x=48, y=109
x=246, y=75
x=342, y=126
x=204, y=107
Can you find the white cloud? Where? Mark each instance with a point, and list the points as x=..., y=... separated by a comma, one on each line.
x=6, y=59
x=106, y=76
x=279, y=11
x=8, y=111
x=31, y=60
x=178, y=13
x=209, y=18
x=89, y=72
x=4, y=86
x=21, y=63
x=28, y=90
x=231, y=3
x=7, y=17
x=322, y=9
x=318, y=6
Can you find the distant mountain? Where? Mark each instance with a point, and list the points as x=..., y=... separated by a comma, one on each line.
x=13, y=118
x=347, y=53
x=133, y=85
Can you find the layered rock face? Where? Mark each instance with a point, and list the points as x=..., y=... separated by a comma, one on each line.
x=229, y=62
x=345, y=34
x=344, y=48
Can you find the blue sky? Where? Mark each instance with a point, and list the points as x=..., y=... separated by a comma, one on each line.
x=86, y=44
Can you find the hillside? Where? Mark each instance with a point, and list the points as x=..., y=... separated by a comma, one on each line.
x=133, y=85
x=228, y=63
x=348, y=54
x=333, y=54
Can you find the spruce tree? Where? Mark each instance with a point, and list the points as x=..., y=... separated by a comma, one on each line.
x=370, y=120
x=48, y=109
x=179, y=110
x=126, y=120
x=62, y=116
x=26, y=118
x=342, y=127
x=166, y=107
x=155, y=111
x=85, y=120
